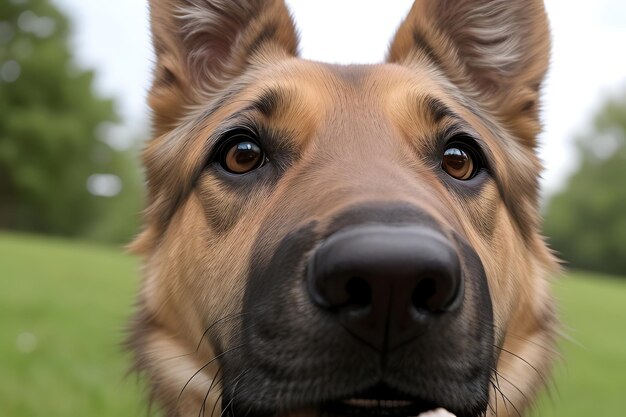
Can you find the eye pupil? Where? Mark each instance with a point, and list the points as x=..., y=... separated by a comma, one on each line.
x=241, y=155
x=456, y=158
x=458, y=162
x=246, y=152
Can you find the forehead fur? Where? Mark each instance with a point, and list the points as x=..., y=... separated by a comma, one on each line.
x=298, y=96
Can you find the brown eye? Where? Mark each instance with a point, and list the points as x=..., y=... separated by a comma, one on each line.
x=241, y=155
x=459, y=162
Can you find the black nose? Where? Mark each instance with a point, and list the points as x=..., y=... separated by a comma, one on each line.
x=386, y=284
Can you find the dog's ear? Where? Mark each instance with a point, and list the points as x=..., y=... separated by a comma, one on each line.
x=203, y=45
x=495, y=50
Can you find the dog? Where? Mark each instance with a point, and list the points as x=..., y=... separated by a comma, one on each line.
x=361, y=240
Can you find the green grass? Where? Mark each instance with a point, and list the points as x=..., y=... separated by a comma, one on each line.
x=63, y=306
x=591, y=380
x=62, y=311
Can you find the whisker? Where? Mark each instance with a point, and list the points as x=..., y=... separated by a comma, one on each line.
x=539, y=345
x=542, y=376
x=234, y=393
x=203, y=405
x=506, y=399
x=226, y=407
x=216, y=322
x=495, y=412
x=502, y=395
x=498, y=374
x=495, y=396
x=236, y=382
x=204, y=366
x=203, y=408
x=219, y=397
x=548, y=349
x=217, y=401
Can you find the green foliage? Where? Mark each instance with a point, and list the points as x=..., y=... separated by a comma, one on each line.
x=50, y=120
x=68, y=303
x=586, y=221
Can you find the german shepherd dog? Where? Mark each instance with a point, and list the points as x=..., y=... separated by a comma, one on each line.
x=362, y=240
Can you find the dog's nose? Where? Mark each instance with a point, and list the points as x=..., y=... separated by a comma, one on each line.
x=386, y=284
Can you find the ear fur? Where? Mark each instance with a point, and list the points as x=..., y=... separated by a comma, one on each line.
x=495, y=50
x=203, y=45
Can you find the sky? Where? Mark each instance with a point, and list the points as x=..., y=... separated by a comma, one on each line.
x=588, y=61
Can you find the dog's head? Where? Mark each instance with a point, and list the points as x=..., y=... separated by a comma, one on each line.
x=344, y=240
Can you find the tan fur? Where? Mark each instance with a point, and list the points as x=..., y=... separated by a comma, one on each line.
x=360, y=133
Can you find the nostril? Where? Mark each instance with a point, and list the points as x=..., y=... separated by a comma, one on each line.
x=384, y=284
x=359, y=292
x=423, y=295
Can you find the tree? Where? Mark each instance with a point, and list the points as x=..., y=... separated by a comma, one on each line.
x=49, y=124
x=586, y=221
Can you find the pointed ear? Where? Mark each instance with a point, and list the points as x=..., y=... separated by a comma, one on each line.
x=495, y=50
x=201, y=46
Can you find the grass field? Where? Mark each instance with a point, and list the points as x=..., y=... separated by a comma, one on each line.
x=63, y=306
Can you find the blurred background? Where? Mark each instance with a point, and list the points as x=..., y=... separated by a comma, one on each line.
x=73, y=80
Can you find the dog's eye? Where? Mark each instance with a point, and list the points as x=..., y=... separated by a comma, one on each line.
x=241, y=154
x=460, y=161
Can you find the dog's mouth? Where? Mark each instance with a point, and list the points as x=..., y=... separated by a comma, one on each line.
x=367, y=407
x=382, y=401
x=379, y=401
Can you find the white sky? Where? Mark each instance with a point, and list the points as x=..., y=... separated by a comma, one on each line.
x=588, y=64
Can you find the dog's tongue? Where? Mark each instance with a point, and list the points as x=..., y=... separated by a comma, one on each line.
x=440, y=412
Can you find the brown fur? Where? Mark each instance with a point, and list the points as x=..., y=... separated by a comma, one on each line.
x=354, y=134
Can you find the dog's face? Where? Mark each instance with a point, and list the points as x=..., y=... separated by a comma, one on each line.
x=356, y=240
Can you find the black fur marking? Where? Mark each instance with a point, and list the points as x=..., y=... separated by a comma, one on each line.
x=166, y=78
x=270, y=102
x=438, y=109
x=267, y=34
x=422, y=44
